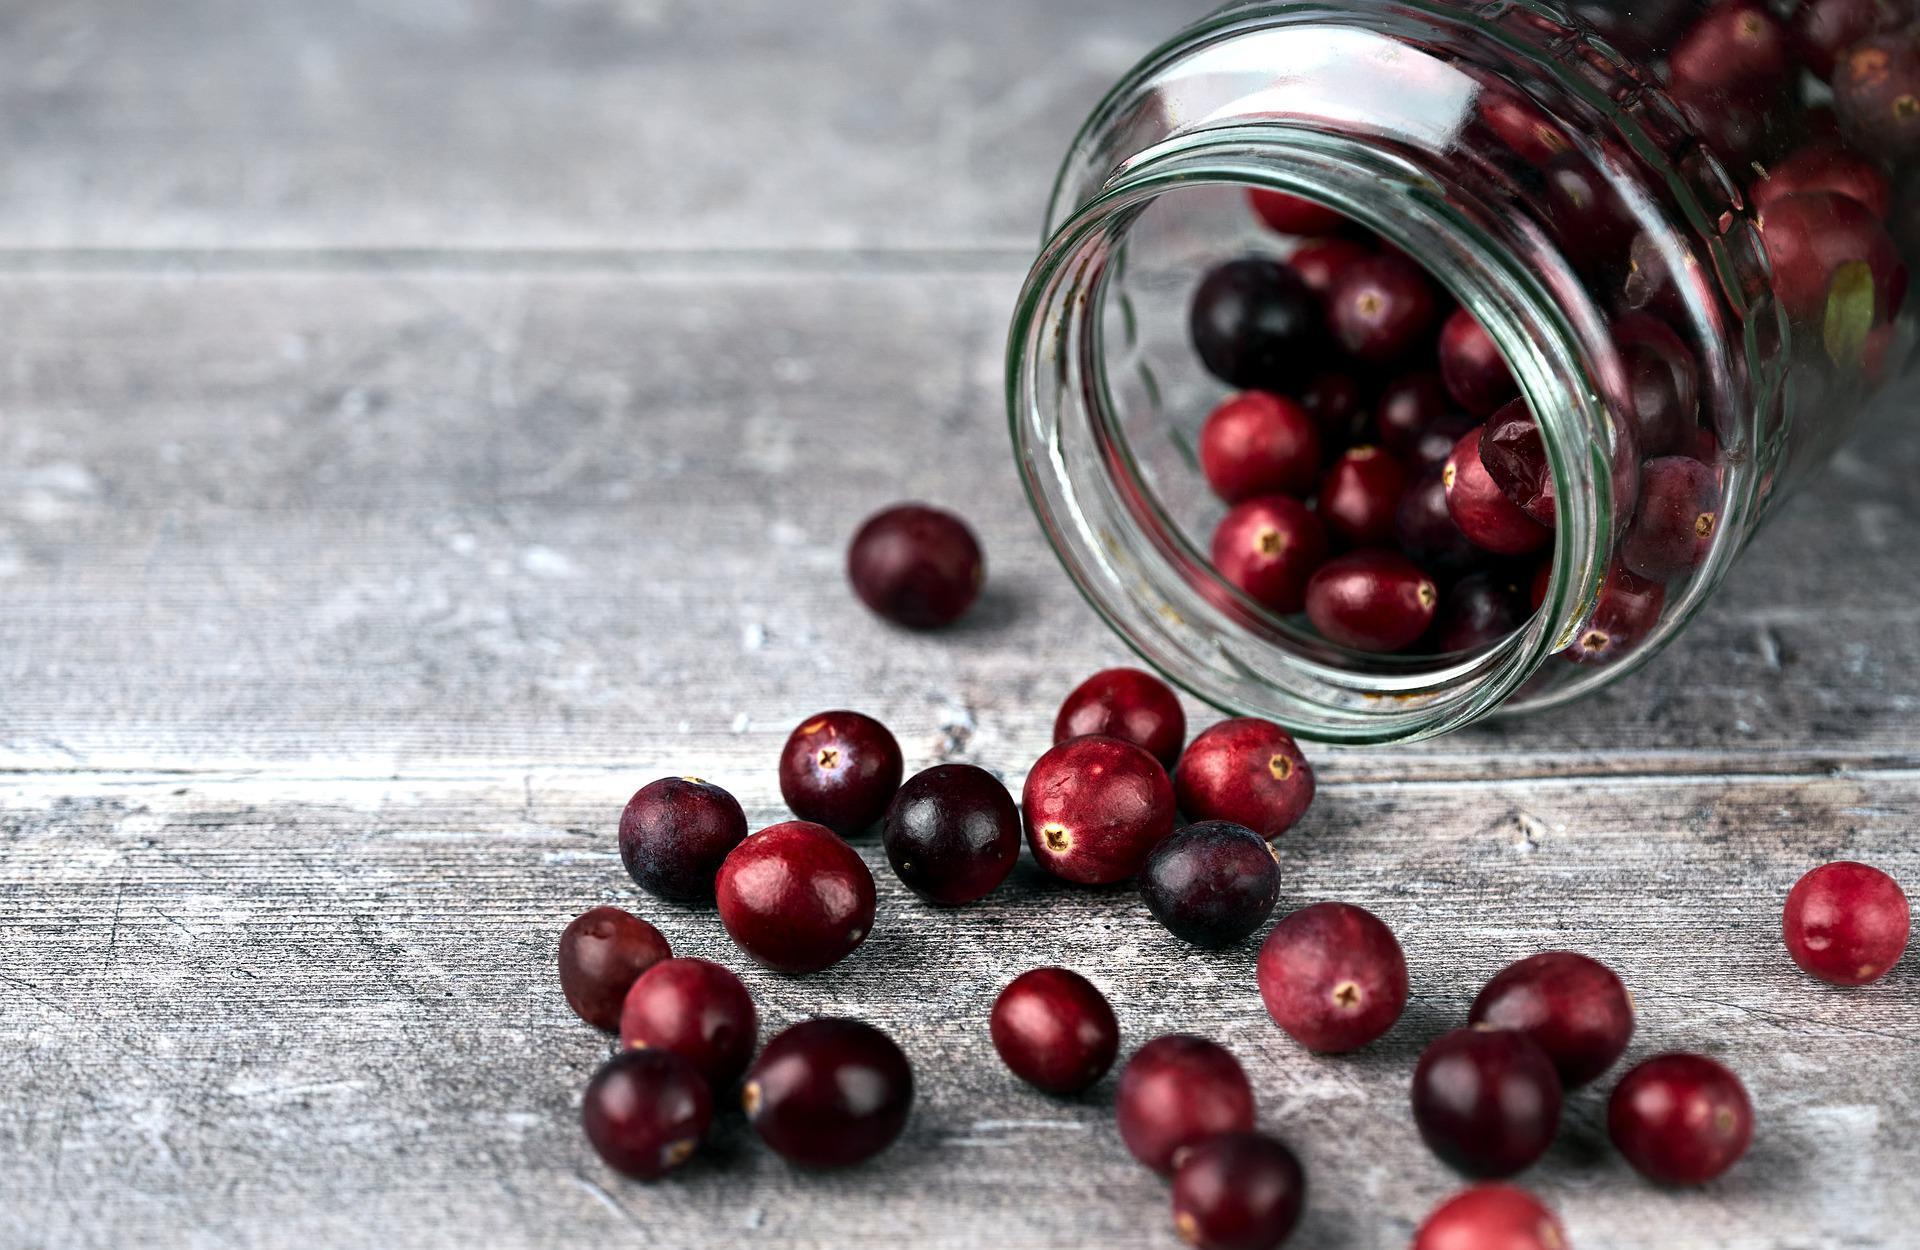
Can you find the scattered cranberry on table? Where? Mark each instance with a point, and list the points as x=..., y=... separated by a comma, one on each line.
x=1177, y=1091
x=645, y=1112
x=1127, y=704
x=1257, y=444
x=1238, y=1191
x=840, y=769
x=1055, y=1030
x=1492, y=1217
x=1487, y=1101
x=1680, y=1119
x=1093, y=808
x=1333, y=976
x=1247, y=771
x=1476, y=373
x=699, y=1011
x=1360, y=495
x=1269, y=548
x=674, y=834
x=602, y=953
x=829, y=1093
x=1255, y=325
x=796, y=898
x=1211, y=884
x=1372, y=601
x=1481, y=509
x=1847, y=923
x=1573, y=1007
x=917, y=566
x=952, y=834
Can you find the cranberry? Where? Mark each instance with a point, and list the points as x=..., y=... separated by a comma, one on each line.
x=699, y=1011
x=1847, y=923
x=1827, y=168
x=1294, y=214
x=1663, y=382
x=1382, y=308
x=1487, y=1101
x=1177, y=1091
x=796, y=898
x=1055, y=1031
x=602, y=953
x=1246, y=771
x=1259, y=444
x=1530, y=133
x=1410, y=405
x=1626, y=612
x=645, y=1112
x=1826, y=246
x=1823, y=29
x=1269, y=548
x=1680, y=1119
x=1481, y=509
x=1574, y=1008
x=674, y=833
x=829, y=1093
x=1333, y=976
x=1211, y=884
x=952, y=834
x=1238, y=1191
x=1321, y=262
x=1492, y=1217
x=1436, y=443
x=1094, y=807
x=1478, y=611
x=1372, y=601
x=1127, y=704
x=1476, y=373
x=1678, y=519
x=916, y=566
x=1335, y=403
x=1424, y=530
x=1876, y=92
x=1359, y=496
x=840, y=769
x=1737, y=48
x=1592, y=226
x=1515, y=457
x=1255, y=324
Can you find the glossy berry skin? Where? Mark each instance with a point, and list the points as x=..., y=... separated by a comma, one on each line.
x=602, y=953
x=1816, y=241
x=1238, y=1191
x=1255, y=325
x=916, y=566
x=840, y=769
x=674, y=834
x=1424, y=531
x=1093, y=808
x=1333, y=977
x=1487, y=1101
x=1336, y=404
x=1663, y=382
x=1382, y=308
x=1409, y=406
x=1492, y=1217
x=829, y=1093
x=1847, y=923
x=1679, y=517
x=1478, y=611
x=1626, y=612
x=1680, y=1119
x=1572, y=1007
x=1826, y=167
x=952, y=834
x=645, y=1112
x=1247, y=771
x=1823, y=29
x=1127, y=704
x=1257, y=444
x=1211, y=884
x=1737, y=48
x=796, y=898
x=1376, y=601
x=1177, y=1091
x=1435, y=445
x=1293, y=214
x=1360, y=495
x=1321, y=262
x=1481, y=509
x=1528, y=132
x=1476, y=373
x=1055, y=1030
x=1515, y=456
x=699, y=1011
x=1876, y=92
x=1269, y=548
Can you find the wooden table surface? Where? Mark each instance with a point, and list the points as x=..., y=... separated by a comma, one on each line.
x=423, y=422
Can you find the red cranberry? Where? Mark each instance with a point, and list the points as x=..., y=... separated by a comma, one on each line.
x=1335, y=403
x=1321, y=262
x=699, y=1011
x=1628, y=609
x=1055, y=1031
x=1876, y=92
x=1211, y=884
x=1410, y=405
x=1492, y=1217
x=1127, y=704
x=1847, y=923
x=1737, y=48
x=1827, y=168
x=796, y=898
x=1333, y=976
x=1515, y=457
x=1294, y=214
x=1269, y=548
x=1478, y=611
x=1094, y=807
x=1663, y=381
x=1359, y=496
x=602, y=953
x=1530, y=133
x=1476, y=373
x=1588, y=220
x=1481, y=509
x=1826, y=246
x=645, y=1112
x=1238, y=1191
x=1246, y=771
x=1680, y=1119
x=1823, y=29
x=840, y=769
x=1423, y=529
x=1678, y=519
x=1574, y=1008
x=1255, y=324
x=916, y=566
x=675, y=832
x=1259, y=444
x=1382, y=308
x=1372, y=601
x=1487, y=1101
x=1177, y=1091
x=952, y=834
x=829, y=1093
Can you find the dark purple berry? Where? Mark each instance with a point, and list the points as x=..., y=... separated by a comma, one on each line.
x=1487, y=1101
x=840, y=769
x=1515, y=456
x=1476, y=373
x=1478, y=611
x=1238, y=1191
x=1255, y=325
x=674, y=834
x=829, y=1093
x=1678, y=519
x=602, y=953
x=1211, y=884
x=916, y=566
x=645, y=1112
x=952, y=834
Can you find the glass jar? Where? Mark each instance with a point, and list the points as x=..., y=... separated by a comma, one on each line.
x=1651, y=208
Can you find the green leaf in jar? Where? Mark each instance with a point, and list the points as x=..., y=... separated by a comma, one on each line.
x=1849, y=313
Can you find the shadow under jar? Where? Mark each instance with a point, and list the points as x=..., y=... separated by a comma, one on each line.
x=1684, y=227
